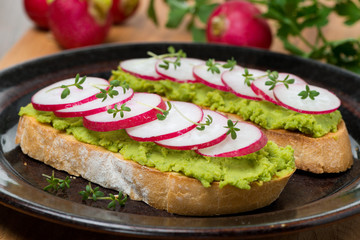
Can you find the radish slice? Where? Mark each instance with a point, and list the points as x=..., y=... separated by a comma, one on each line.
x=49, y=98
x=261, y=89
x=97, y=105
x=325, y=102
x=249, y=139
x=195, y=139
x=236, y=83
x=181, y=119
x=182, y=73
x=142, y=111
x=208, y=78
x=141, y=68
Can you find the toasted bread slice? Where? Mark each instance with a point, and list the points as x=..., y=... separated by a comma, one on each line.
x=169, y=191
x=327, y=154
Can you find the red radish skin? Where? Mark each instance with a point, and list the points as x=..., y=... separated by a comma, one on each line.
x=208, y=78
x=261, y=89
x=49, y=98
x=249, y=140
x=182, y=73
x=235, y=81
x=141, y=68
x=97, y=105
x=196, y=139
x=174, y=125
x=325, y=102
x=37, y=11
x=73, y=23
x=238, y=23
x=142, y=111
x=121, y=10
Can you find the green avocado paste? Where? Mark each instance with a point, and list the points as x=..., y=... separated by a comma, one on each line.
x=263, y=113
x=264, y=165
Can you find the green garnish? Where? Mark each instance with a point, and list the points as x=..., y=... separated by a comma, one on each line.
x=213, y=66
x=164, y=113
x=230, y=64
x=171, y=53
x=115, y=110
x=308, y=93
x=248, y=77
x=95, y=194
x=232, y=129
x=66, y=91
x=110, y=91
x=201, y=126
x=56, y=183
x=273, y=80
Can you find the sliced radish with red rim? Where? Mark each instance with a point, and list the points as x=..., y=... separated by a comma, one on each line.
x=49, y=98
x=235, y=80
x=182, y=73
x=260, y=88
x=204, y=75
x=196, y=139
x=181, y=119
x=325, y=102
x=143, y=110
x=141, y=67
x=97, y=105
x=249, y=139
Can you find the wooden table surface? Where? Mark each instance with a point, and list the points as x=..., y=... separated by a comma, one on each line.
x=35, y=43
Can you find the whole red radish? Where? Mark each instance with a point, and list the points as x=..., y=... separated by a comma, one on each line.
x=37, y=11
x=79, y=23
x=239, y=23
x=121, y=10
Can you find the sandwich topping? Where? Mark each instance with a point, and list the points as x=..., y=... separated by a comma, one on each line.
x=270, y=99
x=168, y=135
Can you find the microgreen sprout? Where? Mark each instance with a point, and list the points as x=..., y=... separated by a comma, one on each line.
x=232, y=129
x=95, y=194
x=66, y=92
x=308, y=93
x=115, y=110
x=201, y=126
x=248, y=77
x=273, y=80
x=164, y=113
x=111, y=92
x=213, y=66
x=230, y=64
x=171, y=53
x=56, y=183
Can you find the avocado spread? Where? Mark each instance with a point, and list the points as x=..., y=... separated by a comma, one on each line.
x=261, y=166
x=263, y=113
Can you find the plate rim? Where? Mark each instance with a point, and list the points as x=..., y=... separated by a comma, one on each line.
x=33, y=209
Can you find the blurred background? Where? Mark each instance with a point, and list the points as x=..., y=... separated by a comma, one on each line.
x=13, y=24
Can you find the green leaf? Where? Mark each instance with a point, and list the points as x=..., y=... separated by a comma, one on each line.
x=65, y=93
x=204, y=11
x=178, y=9
x=349, y=10
x=198, y=34
x=152, y=13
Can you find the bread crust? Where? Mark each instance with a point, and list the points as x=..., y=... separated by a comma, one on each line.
x=168, y=191
x=330, y=153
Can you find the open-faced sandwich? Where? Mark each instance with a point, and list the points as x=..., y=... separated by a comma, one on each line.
x=287, y=109
x=173, y=155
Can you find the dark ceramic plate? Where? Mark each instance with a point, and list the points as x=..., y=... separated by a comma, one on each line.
x=308, y=200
